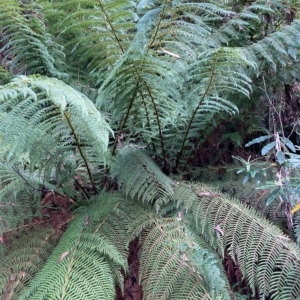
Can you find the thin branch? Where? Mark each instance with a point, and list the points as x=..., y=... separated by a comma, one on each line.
x=271, y=103
x=81, y=187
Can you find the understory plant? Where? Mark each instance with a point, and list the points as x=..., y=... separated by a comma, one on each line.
x=104, y=106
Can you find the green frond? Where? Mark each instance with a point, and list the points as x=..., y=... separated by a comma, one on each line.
x=140, y=105
x=267, y=258
x=97, y=33
x=50, y=134
x=169, y=247
x=27, y=46
x=24, y=257
x=277, y=49
x=139, y=177
x=211, y=79
x=87, y=262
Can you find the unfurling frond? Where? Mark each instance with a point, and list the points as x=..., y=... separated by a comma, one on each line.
x=139, y=177
x=267, y=258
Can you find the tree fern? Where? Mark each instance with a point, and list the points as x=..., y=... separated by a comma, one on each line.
x=164, y=75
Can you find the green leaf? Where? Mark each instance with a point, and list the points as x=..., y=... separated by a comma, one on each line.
x=289, y=144
x=258, y=140
x=273, y=196
x=280, y=157
x=267, y=148
x=246, y=179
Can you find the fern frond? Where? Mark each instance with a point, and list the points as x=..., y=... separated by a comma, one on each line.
x=169, y=247
x=277, y=50
x=27, y=46
x=214, y=71
x=267, y=258
x=87, y=261
x=24, y=257
x=139, y=177
x=140, y=104
x=231, y=183
x=50, y=134
x=97, y=33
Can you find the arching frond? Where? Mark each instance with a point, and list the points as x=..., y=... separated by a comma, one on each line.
x=267, y=258
x=278, y=50
x=213, y=77
x=27, y=46
x=169, y=247
x=140, y=104
x=87, y=262
x=51, y=135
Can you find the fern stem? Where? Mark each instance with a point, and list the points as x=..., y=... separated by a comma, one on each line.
x=194, y=113
x=148, y=123
x=126, y=117
x=81, y=187
x=159, y=127
x=111, y=26
x=157, y=27
x=81, y=152
x=70, y=265
x=195, y=147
